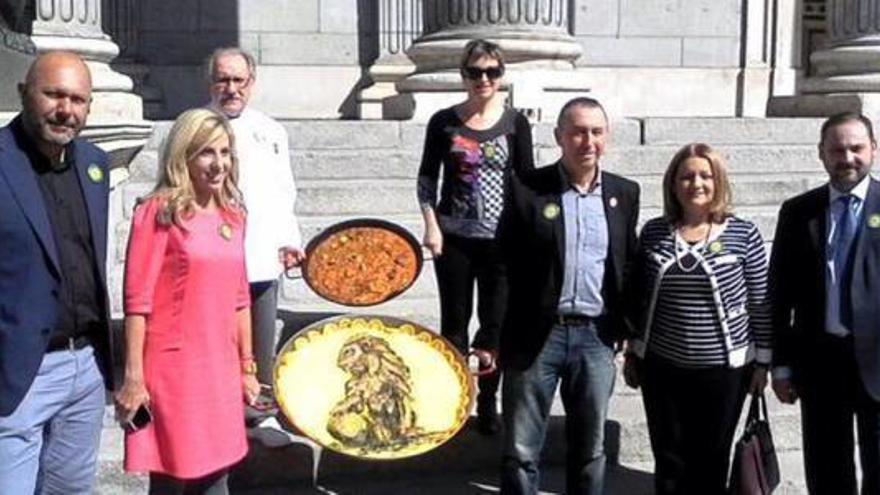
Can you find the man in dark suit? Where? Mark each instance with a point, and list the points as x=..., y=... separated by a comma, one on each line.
x=54, y=331
x=568, y=236
x=825, y=288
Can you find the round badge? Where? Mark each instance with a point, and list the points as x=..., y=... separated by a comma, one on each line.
x=612, y=202
x=716, y=247
x=551, y=211
x=95, y=173
x=874, y=221
x=489, y=151
x=225, y=231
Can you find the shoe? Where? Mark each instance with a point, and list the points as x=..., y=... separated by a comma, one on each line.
x=488, y=423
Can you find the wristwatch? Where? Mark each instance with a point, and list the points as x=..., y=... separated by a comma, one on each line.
x=249, y=367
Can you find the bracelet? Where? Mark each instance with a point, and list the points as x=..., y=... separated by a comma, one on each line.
x=245, y=359
x=249, y=367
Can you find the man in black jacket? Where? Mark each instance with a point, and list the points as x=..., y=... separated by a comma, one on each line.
x=824, y=274
x=568, y=236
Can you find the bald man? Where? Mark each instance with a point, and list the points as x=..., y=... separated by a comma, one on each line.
x=54, y=323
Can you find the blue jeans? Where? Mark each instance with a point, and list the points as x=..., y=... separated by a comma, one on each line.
x=49, y=444
x=575, y=355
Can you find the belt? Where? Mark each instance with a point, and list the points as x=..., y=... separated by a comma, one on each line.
x=65, y=343
x=571, y=319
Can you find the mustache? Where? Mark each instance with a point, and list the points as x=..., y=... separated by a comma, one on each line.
x=69, y=122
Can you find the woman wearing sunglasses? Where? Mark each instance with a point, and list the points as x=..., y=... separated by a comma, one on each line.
x=476, y=143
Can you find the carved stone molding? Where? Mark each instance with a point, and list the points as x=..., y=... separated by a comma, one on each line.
x=527, y=30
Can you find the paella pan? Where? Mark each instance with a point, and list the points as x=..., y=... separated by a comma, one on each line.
x=362, y=262
x=373, y=387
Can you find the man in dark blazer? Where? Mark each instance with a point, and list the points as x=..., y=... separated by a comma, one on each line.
x=825, y=289
x=568, y=236
x=54, y=325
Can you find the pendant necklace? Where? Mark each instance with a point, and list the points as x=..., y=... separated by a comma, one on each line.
x=683, y=249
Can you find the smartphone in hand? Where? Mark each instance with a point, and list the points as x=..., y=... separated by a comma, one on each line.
x=141, y=418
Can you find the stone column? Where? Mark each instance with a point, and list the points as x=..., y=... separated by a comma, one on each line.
x=846, y=73
x=116, y=119
x=753, y=89
x=528, y=30
x=851, y=60
x=122, y=21
x=400, y=22
x=534, y=34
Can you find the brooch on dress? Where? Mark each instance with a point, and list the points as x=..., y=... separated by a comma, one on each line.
x=225, y=231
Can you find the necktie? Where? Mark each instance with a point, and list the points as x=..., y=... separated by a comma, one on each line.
x=844, y=235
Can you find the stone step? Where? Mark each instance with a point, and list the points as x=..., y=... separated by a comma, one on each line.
x=397, y=197
x=394, y=149
x=633, y=161
x=718, y=131
x=410, y=136
x=715, y=131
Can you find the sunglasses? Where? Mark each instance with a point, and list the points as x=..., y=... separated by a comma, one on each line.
x=476, y=73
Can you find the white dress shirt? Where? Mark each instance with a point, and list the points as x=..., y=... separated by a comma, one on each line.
x=266, y=182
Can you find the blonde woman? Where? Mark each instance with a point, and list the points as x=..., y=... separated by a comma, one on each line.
x=187, y=320
x=700, y=283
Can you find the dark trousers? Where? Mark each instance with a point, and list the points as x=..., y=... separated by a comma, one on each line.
x=832, y=395
x=692, y=416
x=264, y=312
x=212, y=484
x=464, y=262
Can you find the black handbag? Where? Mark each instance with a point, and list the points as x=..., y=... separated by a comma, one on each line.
x=755, y=469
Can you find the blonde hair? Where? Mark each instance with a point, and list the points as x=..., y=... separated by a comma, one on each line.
x=192, y=132
x=721, y=205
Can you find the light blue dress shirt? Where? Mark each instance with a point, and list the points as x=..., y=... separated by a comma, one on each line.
x=586, y=247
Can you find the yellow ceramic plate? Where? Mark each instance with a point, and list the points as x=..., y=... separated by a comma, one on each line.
x=373, y=387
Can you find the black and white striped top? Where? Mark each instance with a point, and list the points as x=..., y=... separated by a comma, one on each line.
x=705, y=304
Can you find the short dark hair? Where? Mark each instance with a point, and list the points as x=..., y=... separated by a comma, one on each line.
x=481, y=48
x=580, y=101
x=842, y=118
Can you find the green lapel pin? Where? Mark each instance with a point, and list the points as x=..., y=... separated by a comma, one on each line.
x=95, y=173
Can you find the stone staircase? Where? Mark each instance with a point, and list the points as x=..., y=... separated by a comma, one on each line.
x=350, y=169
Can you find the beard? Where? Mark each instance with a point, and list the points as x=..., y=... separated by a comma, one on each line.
x=51, y=130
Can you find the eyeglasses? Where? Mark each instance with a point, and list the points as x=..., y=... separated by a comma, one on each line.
x=476, y=73
x=229, y=81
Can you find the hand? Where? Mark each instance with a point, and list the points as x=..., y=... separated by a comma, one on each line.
x=290, y=256
x=250, y=388
x=759, y=380
x=785, y=391
x=129, y=399
x=485, y=358
x=631, y=370
x=433, y=241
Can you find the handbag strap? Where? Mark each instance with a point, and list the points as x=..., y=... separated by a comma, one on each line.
x=754, y=412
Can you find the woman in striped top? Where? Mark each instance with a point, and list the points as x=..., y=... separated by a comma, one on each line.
x=700, y=294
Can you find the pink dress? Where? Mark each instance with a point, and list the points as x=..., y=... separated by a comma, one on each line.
x=189, y=283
